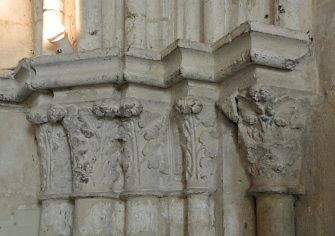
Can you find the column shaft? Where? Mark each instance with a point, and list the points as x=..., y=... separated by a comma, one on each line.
x=193, y=20
x=56, y=218
x=275, y=215
x=200, y=215
x=96, y=216
x=288, y=13
x=143, y=217
x=89, y=24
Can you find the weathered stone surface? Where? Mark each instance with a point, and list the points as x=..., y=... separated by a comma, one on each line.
x=201, y=215
x=241, y=219
x=56, y=218
x=270, y=131
x=98, y=217
x=19, y=175
x=144, y=217
x=130, y=130
x=199, y=142
x=276, y=213
x=315, y=210
x=271, y=122
x=16, y=27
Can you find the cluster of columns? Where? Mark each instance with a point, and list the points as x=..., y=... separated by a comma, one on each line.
x=138, y=165
x=126, y=166
x=144, y=160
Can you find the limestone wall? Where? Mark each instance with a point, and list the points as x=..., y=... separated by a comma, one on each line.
x=316, y=210
x=19, y=162
x=19, y=175
x=16, y=32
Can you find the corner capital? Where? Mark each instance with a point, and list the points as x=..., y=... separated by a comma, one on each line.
x=270, y=130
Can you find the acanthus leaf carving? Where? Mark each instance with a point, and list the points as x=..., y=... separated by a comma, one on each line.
x=53, y=147
x=140, y=134
x=199, y=142
x=118, y=146
x=95, y=146
x=152, y=159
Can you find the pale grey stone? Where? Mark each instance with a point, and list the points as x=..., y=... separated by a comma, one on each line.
x=169, y=118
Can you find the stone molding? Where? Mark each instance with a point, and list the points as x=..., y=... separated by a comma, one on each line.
x=14, y=87
x=251, y=43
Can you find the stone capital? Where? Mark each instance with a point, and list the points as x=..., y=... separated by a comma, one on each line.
x=54, y=150
x=199, y=141
x=270, y=124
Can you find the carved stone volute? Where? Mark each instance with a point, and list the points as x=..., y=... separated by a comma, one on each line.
x=56, y=113
x=130, y=108
x=37, y=116
x=104, y=109
x=124, y=109
x=270, y=129
x=188, y=105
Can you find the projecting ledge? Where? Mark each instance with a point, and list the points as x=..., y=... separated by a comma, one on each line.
x=249, y=44
x=13, y=86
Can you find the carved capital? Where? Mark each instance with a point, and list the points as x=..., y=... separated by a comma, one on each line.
x=54, y=150
x=94, y=144
x=199, y=138
x=146, y=143
x=270, y=126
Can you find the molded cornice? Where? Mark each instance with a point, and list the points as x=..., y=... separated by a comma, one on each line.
x=251, y=43
x=14, y=87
